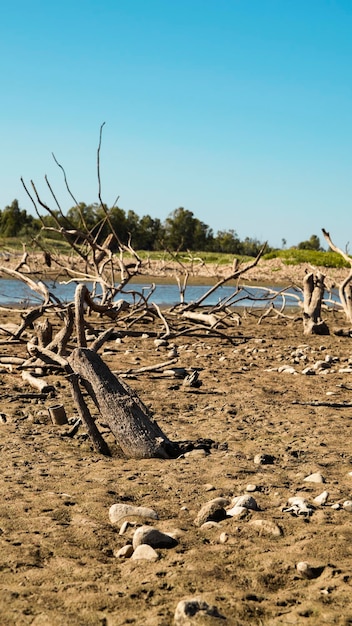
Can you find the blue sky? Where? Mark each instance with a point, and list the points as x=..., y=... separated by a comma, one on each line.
x=237, y=110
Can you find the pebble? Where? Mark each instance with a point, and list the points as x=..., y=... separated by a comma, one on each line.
x=286, y=369
x=250, y=488
x=347, y=505
x=118, y=512
x=266, y=526
x=315, y=478
x=246, y=501
x=194, y=607
x=214, y=510
x=305, y=570
x=322, y=498
x=160, y=342
x=238, y=511
x=124, y=552
x=145, y=552
x=197, y=453
x=224, y=537
x=336, y=506
x=152, y=537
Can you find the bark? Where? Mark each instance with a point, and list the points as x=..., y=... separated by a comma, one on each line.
x=313, y=292
x=138, y=435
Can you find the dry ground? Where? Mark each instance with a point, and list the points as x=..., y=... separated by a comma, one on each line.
x=57, y=558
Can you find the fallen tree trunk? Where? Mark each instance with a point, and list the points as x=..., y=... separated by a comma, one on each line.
x=138, y=435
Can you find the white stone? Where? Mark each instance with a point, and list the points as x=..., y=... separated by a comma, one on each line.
x=145, y=552
x=238, y=511
x=286, y=369
x=125, y=552
x=250, y=488
x=322, y=498
x=305, y=570
x=214, y=510
x=247, y=501
x=336, y=506
x=118, y=512
x=187, y=609
x=152, y=537
x=347, y=505
x=315, y=478
x=224, y=537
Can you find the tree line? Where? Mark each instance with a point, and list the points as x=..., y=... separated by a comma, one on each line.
x=180, y=231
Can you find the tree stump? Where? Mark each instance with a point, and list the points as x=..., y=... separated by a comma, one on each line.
x=138, y=435
x=313, y=293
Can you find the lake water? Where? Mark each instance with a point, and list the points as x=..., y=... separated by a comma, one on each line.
x=13, y=292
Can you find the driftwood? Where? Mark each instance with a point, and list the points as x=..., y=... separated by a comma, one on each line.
x=313, y=293
x=37, y=383
x=138, y=435
x=345, y=289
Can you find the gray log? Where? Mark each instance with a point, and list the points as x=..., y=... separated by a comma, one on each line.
x=138, y=435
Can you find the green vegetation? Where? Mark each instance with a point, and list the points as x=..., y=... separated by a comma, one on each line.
x=182, y=235
x=294, y=256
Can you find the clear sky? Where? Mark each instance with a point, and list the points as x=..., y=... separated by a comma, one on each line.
x=237, y=110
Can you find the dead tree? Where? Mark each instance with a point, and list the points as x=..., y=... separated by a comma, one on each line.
x=313, y=293
x=345, y=289
x=137, y=434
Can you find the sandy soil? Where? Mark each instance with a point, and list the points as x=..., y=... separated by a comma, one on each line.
x=57, y=555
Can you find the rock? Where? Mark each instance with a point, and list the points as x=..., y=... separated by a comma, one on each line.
x=118, y=512
x=266, y=526
x=224, y=537
x=124, y=552
x=238, y=511
x=315, y=478
x=208, y=525
x=209, y=487
x=160, y=342
x=264, y=459
x=309, y=371
x=322, y=498
x=299, y=506
x=212, y=511
x=247, y=501
x=250, y=488
x=336, y=506
x=144, y=552
x=152, y=537
x=286, y=369
x=347, y=505
x=187, y=609
x=197, y=453
x=307, y=571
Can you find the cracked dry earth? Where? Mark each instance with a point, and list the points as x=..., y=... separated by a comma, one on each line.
x=57, y=558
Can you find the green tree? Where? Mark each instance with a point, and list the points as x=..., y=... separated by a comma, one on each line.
x=183, y=231
x=15, y=222
x=312, y=244
x=227, y=241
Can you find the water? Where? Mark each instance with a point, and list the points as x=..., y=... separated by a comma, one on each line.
x=13, y=292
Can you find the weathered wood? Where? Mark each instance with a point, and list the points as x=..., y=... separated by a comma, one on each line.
x=205, y=318
x=98, y=442
x=37, y=383
x=313, y=293
x=138, y=435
